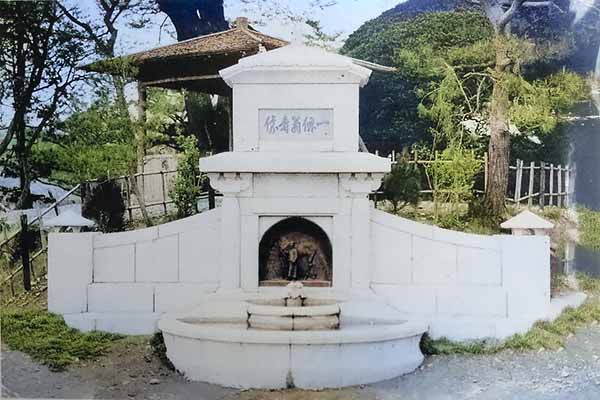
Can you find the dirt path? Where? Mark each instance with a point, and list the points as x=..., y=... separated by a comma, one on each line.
x=131, y=372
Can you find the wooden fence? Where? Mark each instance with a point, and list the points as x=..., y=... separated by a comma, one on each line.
x=23, y=241
x=534, y=183
x=155, y=188
x=541, y=183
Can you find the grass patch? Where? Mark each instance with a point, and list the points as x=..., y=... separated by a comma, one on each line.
x=543, y=334
x=589, y=226
x=48, y=340
x=588, y=284
x=552, y=213
x=445, y=346
x=460, y=219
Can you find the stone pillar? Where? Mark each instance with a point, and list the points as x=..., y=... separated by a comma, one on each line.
x=358, y=187
x=232, y=186
x=70, y=264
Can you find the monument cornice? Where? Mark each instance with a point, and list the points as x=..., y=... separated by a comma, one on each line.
x=284, y=162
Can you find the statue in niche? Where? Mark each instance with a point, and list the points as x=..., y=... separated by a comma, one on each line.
x=295, y=251
x=297, y=262
x=289, y=254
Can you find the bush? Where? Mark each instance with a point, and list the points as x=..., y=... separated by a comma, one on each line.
x=589, y=222
x=402, y=185
x=453, y=176
x=104, y=204
x=186, y=189
x=47, y=339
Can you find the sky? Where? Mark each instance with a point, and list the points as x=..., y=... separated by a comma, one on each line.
x=343, y=17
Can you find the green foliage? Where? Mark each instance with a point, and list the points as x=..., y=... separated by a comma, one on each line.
x=402, y=185
x=452, y=173
x=432, y=32
x=165, y=116
x=186, y=188
x=419, y=48
x=445, y=78
x=96, y=144
x=444, y=346
x=537, y=106
x=47, y=339
x=589, y=227
x=122, y=67
x=589, y=284
x=552, y=213
x=105, y=206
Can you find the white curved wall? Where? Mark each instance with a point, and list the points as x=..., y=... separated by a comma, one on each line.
x=465, y=286
x=99, y=280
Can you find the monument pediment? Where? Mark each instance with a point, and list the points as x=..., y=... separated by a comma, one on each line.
x=291, y=63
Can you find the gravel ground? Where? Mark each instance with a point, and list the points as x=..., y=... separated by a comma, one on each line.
x=130, y=371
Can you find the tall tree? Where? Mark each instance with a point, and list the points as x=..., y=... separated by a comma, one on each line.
x=40, y=53
x=502, y=14
x=103, y=35
x=207, y=120
x=103, y=32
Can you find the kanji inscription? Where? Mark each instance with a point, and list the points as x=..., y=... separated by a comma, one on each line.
x=296, y=123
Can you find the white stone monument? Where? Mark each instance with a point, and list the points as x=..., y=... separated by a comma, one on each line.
x=295, y=154
x=296, y=267
x=295, y=208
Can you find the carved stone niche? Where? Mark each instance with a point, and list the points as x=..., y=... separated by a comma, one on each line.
x=295, y=249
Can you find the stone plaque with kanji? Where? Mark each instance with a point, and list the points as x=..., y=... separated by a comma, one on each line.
x=296, y=123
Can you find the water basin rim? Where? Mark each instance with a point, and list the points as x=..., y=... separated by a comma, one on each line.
x=294, y=311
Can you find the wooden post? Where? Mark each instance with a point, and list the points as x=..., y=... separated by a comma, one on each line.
x=211, y=197
x=551, y=184
x=164, y=191
x=128, y=189
x=518, y=179
x=560, y=191
x=25, y=253
x=43, y=235
x=485, y=171
x=542, y=196
x=531, y=176
x=141, y=132
x=567, y=186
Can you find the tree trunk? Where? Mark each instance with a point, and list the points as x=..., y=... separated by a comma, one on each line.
x=119, y=86
x=135, y=188
x=21, y=100
x=499, y=146
x=140, y=140
x=193, y=18
x=22, y=155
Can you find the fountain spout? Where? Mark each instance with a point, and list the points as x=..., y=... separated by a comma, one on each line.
x=295, y=290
